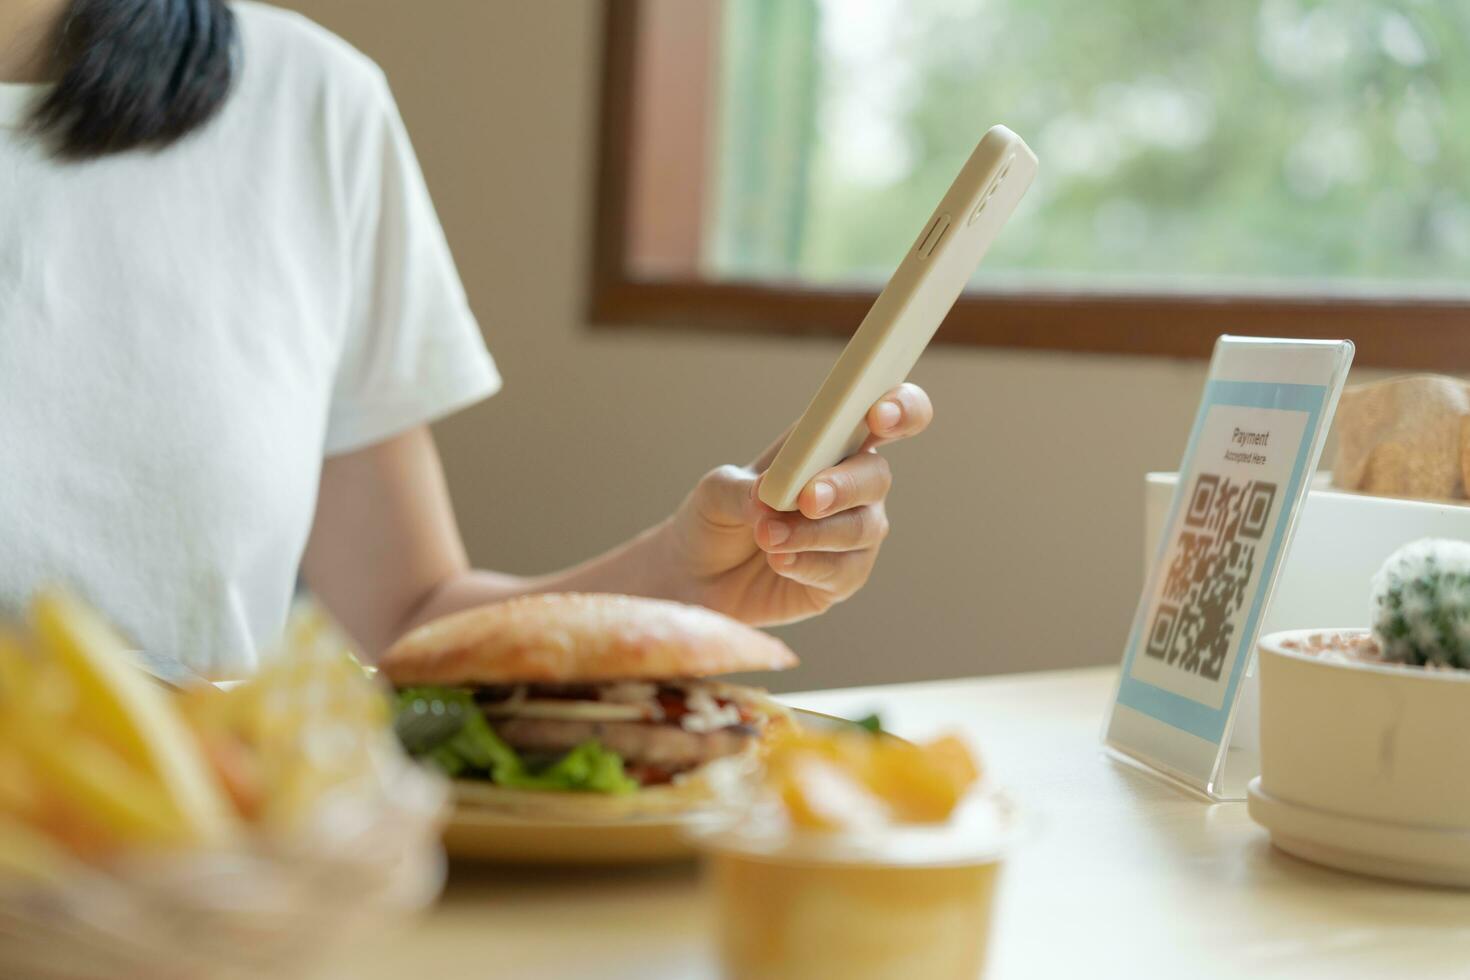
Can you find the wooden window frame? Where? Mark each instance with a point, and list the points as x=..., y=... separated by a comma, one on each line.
x=1390, y=331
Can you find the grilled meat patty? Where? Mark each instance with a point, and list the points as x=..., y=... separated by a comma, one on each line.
x=643, y=743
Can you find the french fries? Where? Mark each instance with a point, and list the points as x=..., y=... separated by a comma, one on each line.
x=97, y=759
x=309, y=724
x=126, y=734
x=31, y=855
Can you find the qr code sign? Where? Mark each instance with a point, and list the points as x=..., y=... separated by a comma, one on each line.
x=1207, y=579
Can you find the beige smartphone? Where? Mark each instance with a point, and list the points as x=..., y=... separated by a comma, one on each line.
x=903, y=319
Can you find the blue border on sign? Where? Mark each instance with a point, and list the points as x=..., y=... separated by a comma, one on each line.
x=1173, y=709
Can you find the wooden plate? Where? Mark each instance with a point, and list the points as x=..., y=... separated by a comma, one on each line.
x=480, y=832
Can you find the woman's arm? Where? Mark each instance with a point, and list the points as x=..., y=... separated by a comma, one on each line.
x=385, y=553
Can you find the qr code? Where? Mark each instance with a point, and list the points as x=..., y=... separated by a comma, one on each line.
x=1206, y=582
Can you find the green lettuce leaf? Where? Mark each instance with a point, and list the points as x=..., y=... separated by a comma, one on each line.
x=444, y=727
x=589, y=767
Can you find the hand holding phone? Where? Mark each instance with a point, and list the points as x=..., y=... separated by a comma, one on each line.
x=903, y=319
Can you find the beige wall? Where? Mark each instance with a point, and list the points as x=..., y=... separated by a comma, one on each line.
x=1017, y=520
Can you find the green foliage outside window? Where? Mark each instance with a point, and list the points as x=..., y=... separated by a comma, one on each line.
x=1225, y=141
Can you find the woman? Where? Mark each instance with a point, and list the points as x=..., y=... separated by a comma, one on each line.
x=227, y=315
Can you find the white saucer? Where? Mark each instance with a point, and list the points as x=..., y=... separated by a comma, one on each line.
x=1370, y=847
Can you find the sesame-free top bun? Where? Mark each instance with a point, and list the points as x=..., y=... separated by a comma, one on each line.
x=580, y=637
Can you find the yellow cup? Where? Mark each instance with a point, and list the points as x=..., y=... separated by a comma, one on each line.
x=902, y=903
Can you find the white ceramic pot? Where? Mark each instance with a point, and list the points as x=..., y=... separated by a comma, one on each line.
x=1364, y=765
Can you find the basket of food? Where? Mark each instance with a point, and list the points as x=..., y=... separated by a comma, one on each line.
x=148, y=831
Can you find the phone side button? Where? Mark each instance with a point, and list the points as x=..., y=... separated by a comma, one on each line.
x=936, y=232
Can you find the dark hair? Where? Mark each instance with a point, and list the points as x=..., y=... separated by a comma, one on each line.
x=136, y=73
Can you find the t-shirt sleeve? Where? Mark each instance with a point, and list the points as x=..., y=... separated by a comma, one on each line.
x=411, y=350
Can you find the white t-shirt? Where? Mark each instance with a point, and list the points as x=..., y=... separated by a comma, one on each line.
x=184, y=335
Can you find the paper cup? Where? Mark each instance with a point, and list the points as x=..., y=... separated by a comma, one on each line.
x=897, y=902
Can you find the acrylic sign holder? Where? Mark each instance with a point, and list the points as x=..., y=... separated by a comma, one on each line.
x=1185, y=706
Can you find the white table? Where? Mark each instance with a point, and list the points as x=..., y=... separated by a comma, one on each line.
x=1124, y=876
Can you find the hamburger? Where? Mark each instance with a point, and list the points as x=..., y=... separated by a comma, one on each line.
x=606, y=704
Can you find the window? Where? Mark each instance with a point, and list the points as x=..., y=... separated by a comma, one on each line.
x=1262, y=166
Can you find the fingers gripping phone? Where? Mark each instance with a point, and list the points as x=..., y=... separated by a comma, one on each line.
x=903, y=319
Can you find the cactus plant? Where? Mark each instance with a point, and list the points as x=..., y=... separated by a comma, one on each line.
x=1421, y=604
